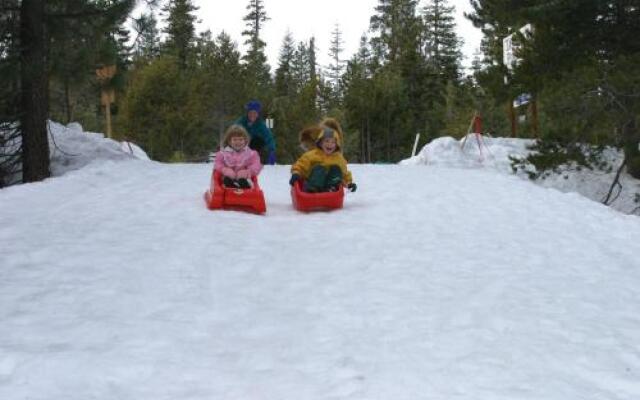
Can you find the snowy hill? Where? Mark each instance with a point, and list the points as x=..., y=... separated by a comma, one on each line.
x=493, y=154
x=434, y=282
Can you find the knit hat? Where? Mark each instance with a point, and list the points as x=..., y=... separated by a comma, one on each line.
x=234, y=130
x=253, y=105
x=327, y=133
x=308, y=137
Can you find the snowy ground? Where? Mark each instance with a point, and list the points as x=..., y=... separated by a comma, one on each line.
x=432, y=283
x=493, y=154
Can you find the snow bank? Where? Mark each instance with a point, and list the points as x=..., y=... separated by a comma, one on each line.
x=496, y=153
x=481, y=152
x=72, y=148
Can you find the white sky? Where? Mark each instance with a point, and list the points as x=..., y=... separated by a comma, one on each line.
x=306, y=18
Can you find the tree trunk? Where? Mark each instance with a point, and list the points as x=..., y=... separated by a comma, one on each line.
x=67, y=100
x=33, y=78
x=368, y=140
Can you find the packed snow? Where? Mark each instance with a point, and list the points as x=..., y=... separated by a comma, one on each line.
x=438, y=280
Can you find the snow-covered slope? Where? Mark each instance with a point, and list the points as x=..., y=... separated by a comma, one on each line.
x=432, y=283
x=494, y=154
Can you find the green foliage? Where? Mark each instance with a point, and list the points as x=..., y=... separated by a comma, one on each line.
x=78, y=46
x=441, y=43
x=147, y=44
x=550, y=156
x=294, y=105
x=179, y=114
x=160, y=114
x=180, y=29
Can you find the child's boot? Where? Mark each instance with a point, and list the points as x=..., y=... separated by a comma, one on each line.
x=244, y=184
x=228, y=182
x=334, y=178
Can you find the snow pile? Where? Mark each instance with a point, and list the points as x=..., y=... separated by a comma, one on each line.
x=496, y=153
x=472, y=152
x=71, y=148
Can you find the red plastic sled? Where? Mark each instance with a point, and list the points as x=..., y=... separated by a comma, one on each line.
x=220, y=197
x=304, y=201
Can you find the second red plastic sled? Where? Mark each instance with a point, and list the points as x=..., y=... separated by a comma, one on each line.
x=221, y=197
x=304, y=201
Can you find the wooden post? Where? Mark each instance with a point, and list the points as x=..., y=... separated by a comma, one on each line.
x=415, y=145
x=534, y=112
x=512, y=116
x=108, y=95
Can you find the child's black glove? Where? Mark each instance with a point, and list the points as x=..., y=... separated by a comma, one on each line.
x=352, y=187
x=293, y=179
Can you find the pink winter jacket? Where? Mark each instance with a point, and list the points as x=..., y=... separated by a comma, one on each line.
x=238, y=164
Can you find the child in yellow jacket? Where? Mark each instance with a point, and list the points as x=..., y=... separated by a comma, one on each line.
x=323, y=168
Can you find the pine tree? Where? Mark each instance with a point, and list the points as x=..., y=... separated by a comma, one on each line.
x=284, y=84
x=397, y=28
x=222, y=84
x=312, y=60
x=336, y=67
x=147, y=45
x=358, y=106
x=300, y=66
x=180, y=28
x=441, y=43
x=10, y=162
x=41, y=24
x=258, y=76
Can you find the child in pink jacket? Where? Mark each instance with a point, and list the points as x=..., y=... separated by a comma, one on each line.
x=236, y=161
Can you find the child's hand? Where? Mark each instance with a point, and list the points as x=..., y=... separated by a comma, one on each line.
x=226, y=171
x=243, y=174
x=293, y=179
x=352, y=187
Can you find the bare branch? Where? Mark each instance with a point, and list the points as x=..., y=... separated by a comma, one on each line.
x=616, y=183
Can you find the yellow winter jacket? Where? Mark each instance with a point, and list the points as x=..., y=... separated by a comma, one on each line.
x=315, y=157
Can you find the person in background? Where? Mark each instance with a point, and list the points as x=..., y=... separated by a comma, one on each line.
x=262, y=139
x=236, y=161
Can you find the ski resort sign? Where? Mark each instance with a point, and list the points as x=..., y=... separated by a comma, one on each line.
x=510, y=47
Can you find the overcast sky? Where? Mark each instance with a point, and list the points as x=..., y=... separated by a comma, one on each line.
x=307, y=18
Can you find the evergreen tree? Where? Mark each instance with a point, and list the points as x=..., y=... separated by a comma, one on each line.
x=152, y=118
x=258, y=77
x=180, y=28
x=588, y=60
x=41, y=24
x=147, y=44
x=295, y=103
x=397, y=28
x=335, y=69
x=313, y=64
x=396, y=57
x=441, y=44
x=358, y=100
x=218, y=87
x=300, y=66
x=10, y=162
x=284, y=84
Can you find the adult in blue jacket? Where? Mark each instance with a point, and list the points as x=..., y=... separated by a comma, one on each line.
x=261, y=136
